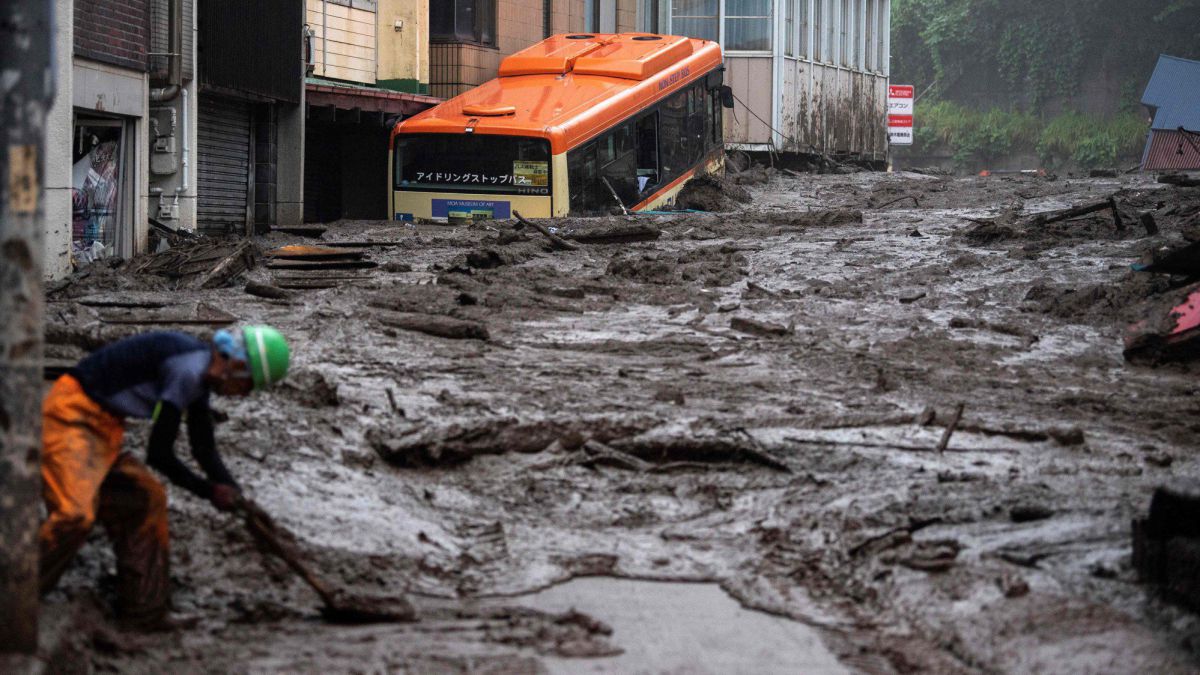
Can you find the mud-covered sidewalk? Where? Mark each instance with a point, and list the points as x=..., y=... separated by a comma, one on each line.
x=752, y=399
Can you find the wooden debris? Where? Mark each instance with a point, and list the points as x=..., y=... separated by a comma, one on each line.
x=916, y=202
x=237, y=261
x=202, y=314
x=436, y=325
x=599, y=453
x=279, y=264
x=1058, y=216
x=826, y=442
x=312, y=231
x=267, y=291
x=316, y=253
x=706, y=449
x=954, y=419
x=1179, y=180
x=622, y=233
x=755, y=327
x=556, y=241
x=202, y=262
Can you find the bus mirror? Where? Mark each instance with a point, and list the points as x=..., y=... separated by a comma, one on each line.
x=726, y=96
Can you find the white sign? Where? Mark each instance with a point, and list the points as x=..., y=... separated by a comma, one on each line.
x=900, y=114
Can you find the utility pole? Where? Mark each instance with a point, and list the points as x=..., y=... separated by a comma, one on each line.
x=26, y=92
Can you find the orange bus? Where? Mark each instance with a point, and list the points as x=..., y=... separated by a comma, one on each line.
x=576, y=124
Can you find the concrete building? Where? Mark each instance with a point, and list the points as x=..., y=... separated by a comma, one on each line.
x=368, y=63
x=187, y=112
x=810, y=76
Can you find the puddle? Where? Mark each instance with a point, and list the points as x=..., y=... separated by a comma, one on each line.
x=668, y=627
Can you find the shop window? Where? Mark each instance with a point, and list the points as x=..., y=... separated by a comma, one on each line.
x=748, y=25
x=695, y=18
x=97, y=187
x=463, y=21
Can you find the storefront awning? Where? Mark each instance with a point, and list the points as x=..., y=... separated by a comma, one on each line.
x=332, y=99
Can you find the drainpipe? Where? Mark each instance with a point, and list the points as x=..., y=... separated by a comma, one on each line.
x=174, y=55
x=548, y=18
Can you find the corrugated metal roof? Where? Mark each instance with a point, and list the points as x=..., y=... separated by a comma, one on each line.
x=1172, y=151
x=1175, y=90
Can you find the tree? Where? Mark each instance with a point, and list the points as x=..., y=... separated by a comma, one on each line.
x=26, y=36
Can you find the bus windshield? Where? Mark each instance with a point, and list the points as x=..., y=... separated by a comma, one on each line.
x=506, y=165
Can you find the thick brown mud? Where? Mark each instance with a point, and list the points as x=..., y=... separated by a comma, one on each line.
x=751, y=398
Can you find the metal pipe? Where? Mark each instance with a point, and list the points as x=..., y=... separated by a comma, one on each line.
x=186, y=134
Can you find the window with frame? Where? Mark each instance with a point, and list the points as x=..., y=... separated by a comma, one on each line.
x=748, y=25
x=803, y=21
x=818, y=46
x=847, y=34
x=789, y=28
x=463, y=21
x=831, y=31
x=881, y=35
x=696, y=18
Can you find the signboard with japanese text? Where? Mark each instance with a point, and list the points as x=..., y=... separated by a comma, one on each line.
x=900, y=114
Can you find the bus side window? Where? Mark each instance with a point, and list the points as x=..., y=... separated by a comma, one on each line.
x=583, y=181
x=647, y=152
x=618, y=164
x=673, y=116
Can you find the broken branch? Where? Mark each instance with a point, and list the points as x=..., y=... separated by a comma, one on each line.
x=555, y=240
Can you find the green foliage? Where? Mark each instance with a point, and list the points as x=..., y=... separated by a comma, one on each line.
x=1036, y=50
x=976, y=139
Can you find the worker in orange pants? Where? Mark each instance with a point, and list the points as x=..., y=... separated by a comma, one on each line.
x=87, y=478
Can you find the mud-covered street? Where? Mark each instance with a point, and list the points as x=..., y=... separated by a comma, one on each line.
x=753, y=400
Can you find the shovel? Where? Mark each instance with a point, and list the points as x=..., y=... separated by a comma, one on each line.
x=340, y=606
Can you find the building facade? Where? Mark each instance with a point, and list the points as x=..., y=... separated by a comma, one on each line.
x=368, y=66
x=188, y=113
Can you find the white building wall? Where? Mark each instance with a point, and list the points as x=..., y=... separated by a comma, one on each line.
x=59, y=130
x=829, y=96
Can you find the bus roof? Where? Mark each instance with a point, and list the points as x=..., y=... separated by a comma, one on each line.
x=568, y=88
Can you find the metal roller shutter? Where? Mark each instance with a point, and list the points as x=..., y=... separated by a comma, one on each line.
x=223, y=202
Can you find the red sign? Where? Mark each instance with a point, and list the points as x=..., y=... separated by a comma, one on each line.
x=901, y=91
x=900, y=120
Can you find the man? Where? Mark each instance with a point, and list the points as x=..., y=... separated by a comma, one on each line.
x=86, y=477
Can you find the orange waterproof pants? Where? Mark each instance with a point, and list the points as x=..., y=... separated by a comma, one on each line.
x=86, y=477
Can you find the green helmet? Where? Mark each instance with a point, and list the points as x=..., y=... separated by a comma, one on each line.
x=267, y=355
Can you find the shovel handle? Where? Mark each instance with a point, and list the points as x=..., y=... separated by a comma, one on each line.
x=262, y=527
